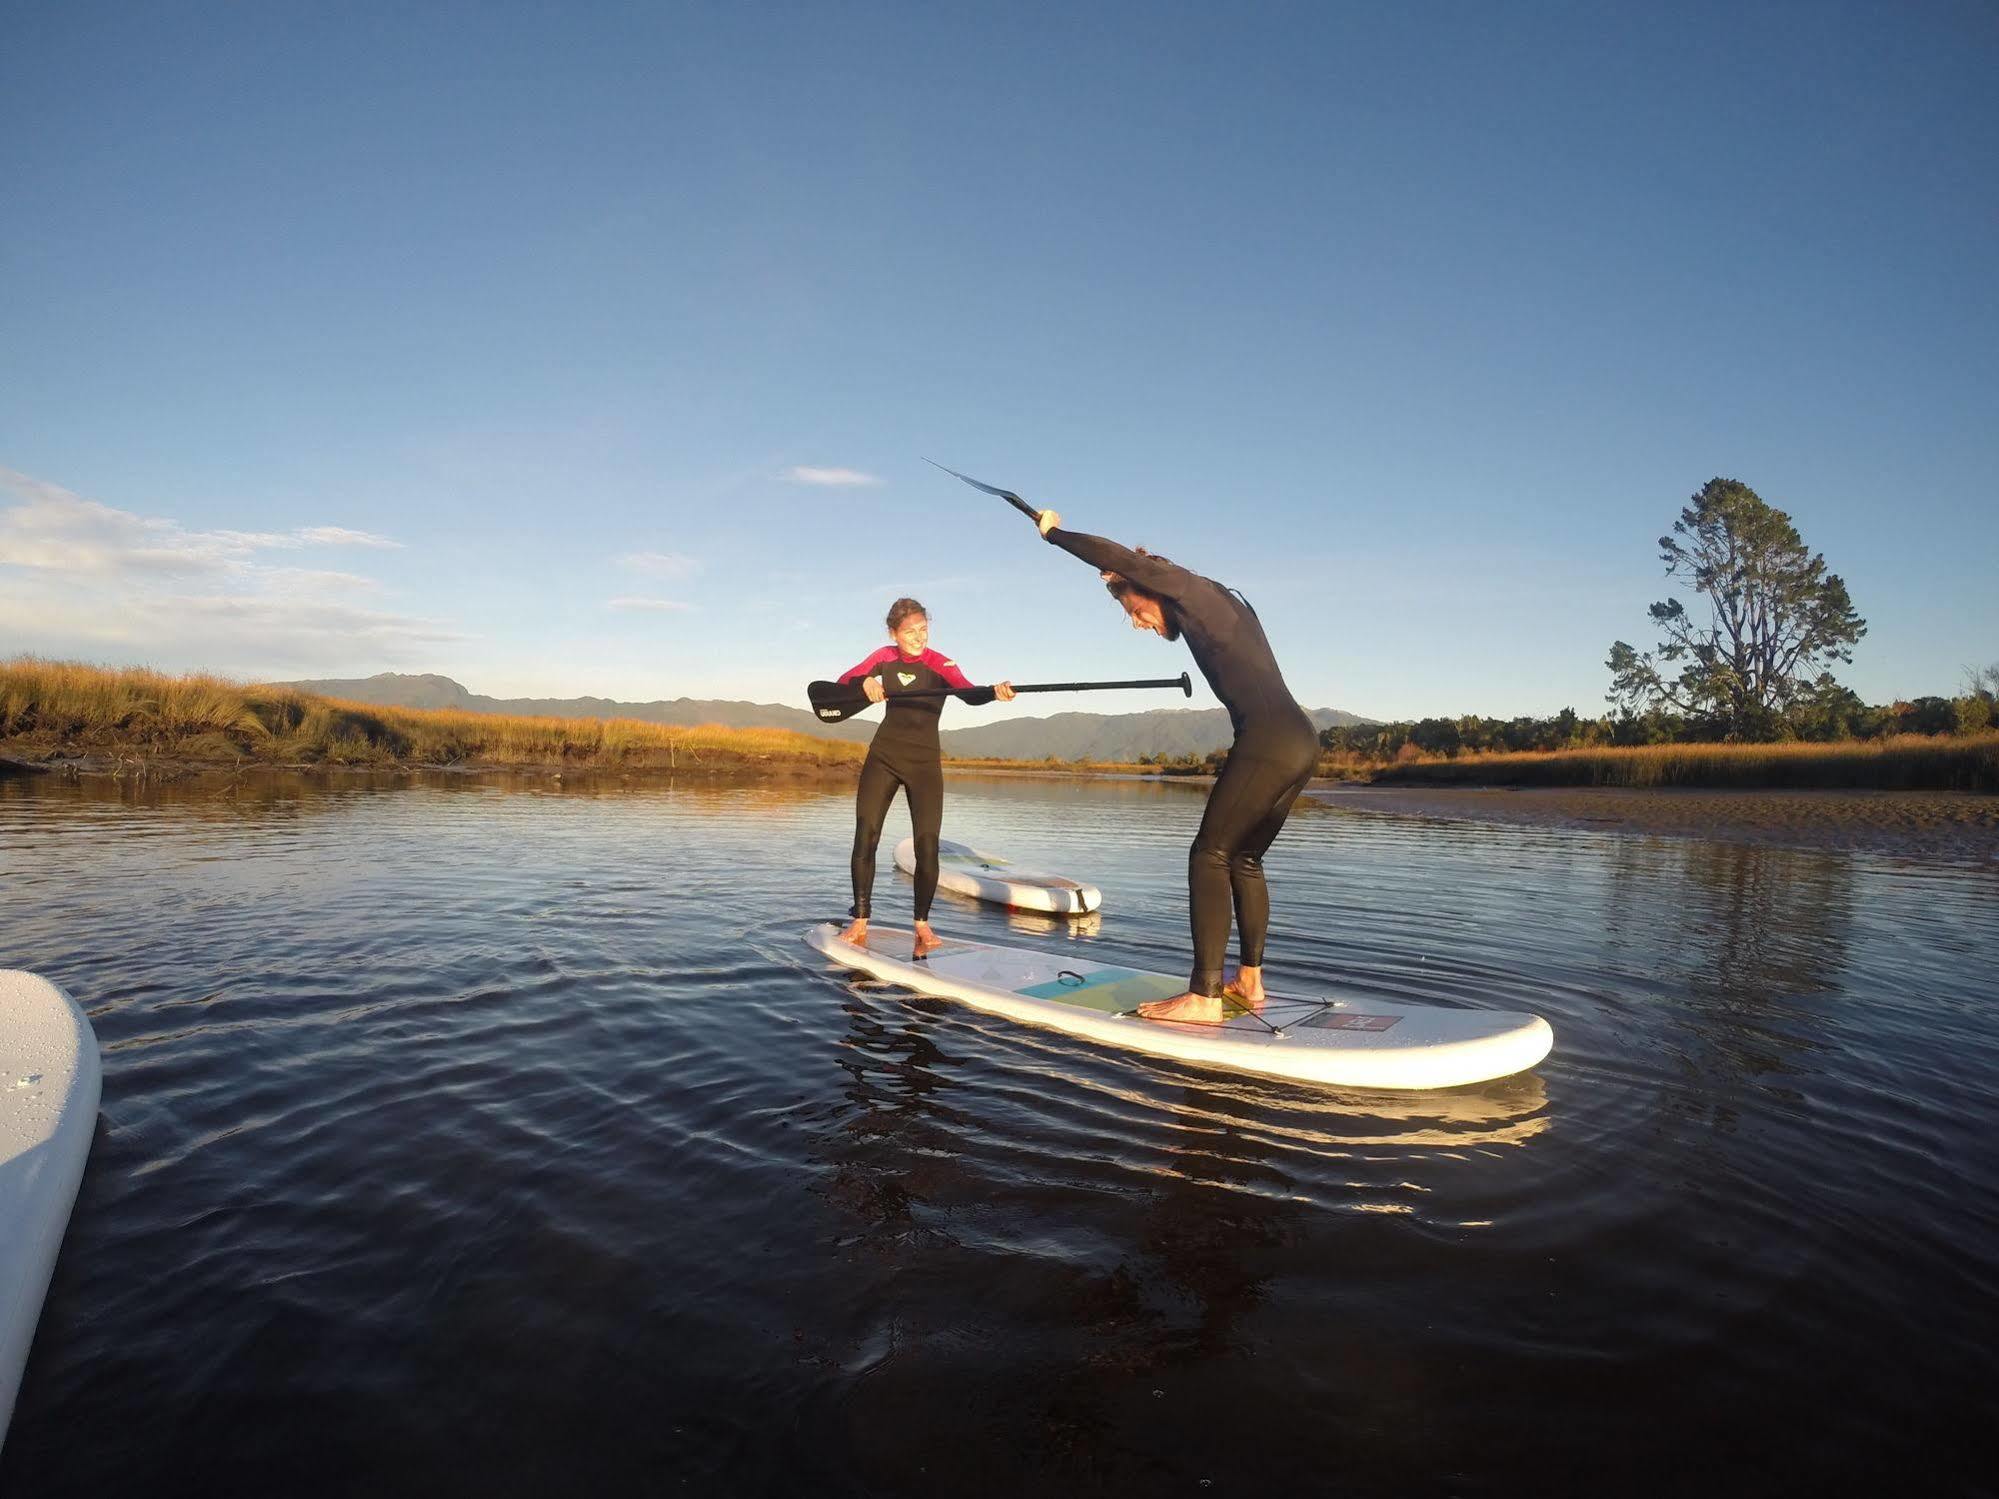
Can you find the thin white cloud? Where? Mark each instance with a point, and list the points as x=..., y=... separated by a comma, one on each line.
x=660, y=564
x=84, y=578
x=258, y=635
x=55, y=529
x=312, y=617
x=340, y=536
x=655, y=606
x=316, y=580
x=838, y=477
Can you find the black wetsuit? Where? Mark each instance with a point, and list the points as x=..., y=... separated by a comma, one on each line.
x=1275, y=752
x=904, y=753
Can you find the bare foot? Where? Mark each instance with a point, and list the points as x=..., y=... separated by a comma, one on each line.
x=927, y=941
x=1246, y=986
x=1203, y=1009
x=856, y=933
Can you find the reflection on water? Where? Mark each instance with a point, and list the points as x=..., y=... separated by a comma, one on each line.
x=463, y=1133
x=1750, y=936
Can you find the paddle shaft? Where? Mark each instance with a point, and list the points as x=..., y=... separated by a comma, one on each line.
x=1180, y=681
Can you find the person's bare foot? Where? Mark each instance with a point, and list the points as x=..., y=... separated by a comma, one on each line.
x=1197, y=1009
x=927, y=941
x=1247, y=987
x=856, y=933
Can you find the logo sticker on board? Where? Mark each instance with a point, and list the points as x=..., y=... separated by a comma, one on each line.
x=1332, y=1022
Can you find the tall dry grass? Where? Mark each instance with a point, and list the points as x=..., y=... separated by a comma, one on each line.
x=60, y=706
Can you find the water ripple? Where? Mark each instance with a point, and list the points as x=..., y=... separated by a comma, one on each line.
x=457, y=1135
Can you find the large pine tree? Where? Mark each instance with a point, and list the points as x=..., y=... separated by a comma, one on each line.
x=1776, y=620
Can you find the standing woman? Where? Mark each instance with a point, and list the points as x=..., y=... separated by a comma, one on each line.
x=1275, y=753
x=905, y=753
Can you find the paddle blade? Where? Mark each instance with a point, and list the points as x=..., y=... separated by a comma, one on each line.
x=1006, y=494
x=834, y=702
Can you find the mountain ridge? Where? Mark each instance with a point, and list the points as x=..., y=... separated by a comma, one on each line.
x=1064, y=736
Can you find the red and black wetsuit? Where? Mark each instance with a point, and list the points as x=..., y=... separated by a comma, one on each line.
x=905, y=753
x=1275, y=752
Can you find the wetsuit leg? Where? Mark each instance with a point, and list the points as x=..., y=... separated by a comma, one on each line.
x=1251, y=799
x=871, y=804
x=923, y=788
x=1252, y=895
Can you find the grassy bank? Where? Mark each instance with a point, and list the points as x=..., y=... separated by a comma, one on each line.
x=144, y=720
x=1908, y=762
x=60, y=711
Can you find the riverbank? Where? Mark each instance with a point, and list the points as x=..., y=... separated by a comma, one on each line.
x=1947, y=825
x=83, y=720
x=133, y=724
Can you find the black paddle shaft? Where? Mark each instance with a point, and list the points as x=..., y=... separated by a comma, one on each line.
x=1186, y=687
x=834, y=701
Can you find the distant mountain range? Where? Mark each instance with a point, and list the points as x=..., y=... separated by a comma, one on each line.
x=1067, y=736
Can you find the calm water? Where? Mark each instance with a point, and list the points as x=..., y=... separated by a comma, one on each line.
x=465, y=1138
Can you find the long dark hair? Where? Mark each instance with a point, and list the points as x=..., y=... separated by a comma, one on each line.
x=1122, y=588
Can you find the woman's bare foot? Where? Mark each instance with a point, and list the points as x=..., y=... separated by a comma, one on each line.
x=857, y=932
x=1201, y=1009
x=927, y=941
x=1246, y=986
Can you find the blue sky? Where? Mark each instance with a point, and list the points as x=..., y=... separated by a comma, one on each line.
x=595, y=349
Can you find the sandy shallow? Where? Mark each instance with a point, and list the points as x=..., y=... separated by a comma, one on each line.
x=1951, y=825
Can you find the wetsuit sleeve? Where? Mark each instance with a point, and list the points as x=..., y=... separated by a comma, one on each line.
x=855, y=673
x=948, y=669
x=1161, y=579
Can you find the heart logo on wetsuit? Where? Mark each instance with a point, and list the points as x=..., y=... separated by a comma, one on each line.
x=905, y=677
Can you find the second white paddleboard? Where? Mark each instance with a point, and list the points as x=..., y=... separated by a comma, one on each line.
x=967, y=871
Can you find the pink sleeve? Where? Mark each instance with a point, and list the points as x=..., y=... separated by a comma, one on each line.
x=854, y=673
x=946, y=669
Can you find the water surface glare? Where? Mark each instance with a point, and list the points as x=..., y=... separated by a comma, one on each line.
x=461, y=1136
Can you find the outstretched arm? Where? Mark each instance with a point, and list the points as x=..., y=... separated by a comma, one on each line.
x=1158, y=577
x=978, y=697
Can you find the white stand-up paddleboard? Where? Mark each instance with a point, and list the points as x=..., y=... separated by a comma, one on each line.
x=48, y=1111
x=1348, y=1042
x=990, y=878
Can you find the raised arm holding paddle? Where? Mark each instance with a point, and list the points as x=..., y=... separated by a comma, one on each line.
x=1275, y=753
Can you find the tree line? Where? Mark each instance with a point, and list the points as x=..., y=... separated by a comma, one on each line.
x=1836, y=714
x=1750, y=662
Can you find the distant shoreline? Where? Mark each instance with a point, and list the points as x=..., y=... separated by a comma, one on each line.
x=1949, y=825
x=79, y=720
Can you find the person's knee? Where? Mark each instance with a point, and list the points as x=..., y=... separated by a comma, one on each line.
x=1207, y=859
x=1246, y=867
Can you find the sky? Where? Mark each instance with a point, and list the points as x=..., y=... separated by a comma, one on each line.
x=597, y=349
